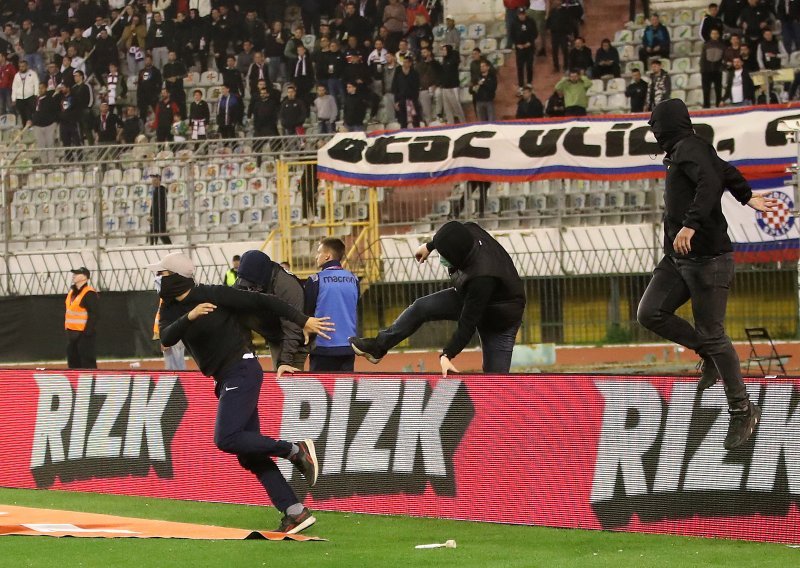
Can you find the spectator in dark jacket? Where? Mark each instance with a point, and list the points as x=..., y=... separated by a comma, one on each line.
x=451, y=98
x=637, y=91
x=580, y=57
x=755, y=17
x=302, y=75
x=660, y=85
x=655, y=41
x=405, y=88
x=232, y=79
x=355, y=108
x=711, y=21
x=606, y=60
x=229, y=113
x=354, y=24
x=293, y=113
x=523, y=37
x=770, y=53
x=166, y=109
x=148, y=87
x=788, y=12
x=484, y=93
x=132, y=126
x=263, y=111
x=199, y=117
x=560, y=24
x=529, y=106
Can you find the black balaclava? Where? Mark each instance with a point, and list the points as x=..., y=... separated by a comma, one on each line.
x=174, y=285
x=670, y=123
x=255, y=271
x=454, y=242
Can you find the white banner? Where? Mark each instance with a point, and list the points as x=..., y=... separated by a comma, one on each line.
x=604, y=148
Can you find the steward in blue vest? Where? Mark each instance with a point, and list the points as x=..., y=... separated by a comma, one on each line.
x=333, y=291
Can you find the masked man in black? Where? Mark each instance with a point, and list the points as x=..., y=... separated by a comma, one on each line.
x=698, y=259
x=487, y=296
x=207, y=319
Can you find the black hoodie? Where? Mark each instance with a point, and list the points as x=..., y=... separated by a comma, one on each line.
x=694, y=185
x=484, y=275
x=259, y=273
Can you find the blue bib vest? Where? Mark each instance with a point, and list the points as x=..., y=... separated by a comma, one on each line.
x=337, y=298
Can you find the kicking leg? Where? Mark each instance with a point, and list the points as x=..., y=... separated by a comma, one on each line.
x=444, y=305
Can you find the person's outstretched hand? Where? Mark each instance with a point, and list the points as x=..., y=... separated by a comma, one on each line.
x=761, y=202
x=318, y=326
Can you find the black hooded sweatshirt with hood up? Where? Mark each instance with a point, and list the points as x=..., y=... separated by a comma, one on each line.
x=258, y=272
x=696, y=179
x=484, y=275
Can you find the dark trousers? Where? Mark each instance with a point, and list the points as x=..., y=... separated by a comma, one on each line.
x=496, y=345
x=81, y=352
x=708, y=79
x=159, y=231
x=482, y=188
x=645, y=9
x=559, y=42
x=227, y=131
x=645, y=57
x=332, y=363
x=402, y=112
x=237, y=430
x=575, y=110
x=524, y=65
x=25, y=108
x=70, y=134
x=706, y=282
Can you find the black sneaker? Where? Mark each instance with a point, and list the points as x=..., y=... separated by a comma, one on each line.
x=368, y=348
x=305, y=460
x=293, y=524
x=742, y=424
x=709, y=375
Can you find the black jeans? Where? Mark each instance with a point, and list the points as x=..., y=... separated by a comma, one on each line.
x=237, y=430
x=559, y=42
x=645, y=9
x=708, y=79
x=81, y=353
x=706, y=282
x=524, y=58
x=332, y=363
x=496, y=345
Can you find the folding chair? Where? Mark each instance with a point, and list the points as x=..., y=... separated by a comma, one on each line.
x=761, y=334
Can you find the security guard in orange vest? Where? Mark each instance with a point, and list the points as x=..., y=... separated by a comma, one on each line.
x=80, y=321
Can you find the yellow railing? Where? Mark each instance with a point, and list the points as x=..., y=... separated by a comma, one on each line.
x=363, y=254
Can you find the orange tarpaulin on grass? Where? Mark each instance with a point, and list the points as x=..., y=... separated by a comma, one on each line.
x=47, y=522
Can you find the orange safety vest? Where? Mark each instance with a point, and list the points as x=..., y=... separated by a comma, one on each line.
x=76, y=315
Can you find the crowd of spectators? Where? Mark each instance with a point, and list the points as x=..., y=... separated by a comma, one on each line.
x=65, y=65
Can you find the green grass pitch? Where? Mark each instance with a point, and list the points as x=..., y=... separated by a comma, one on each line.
x=358, y=540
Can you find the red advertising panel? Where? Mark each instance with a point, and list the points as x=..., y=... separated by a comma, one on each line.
x=597, y=452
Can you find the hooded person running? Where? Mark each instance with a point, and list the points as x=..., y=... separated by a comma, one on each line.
x=487, y=296
x=259, y=273
x=698, y=259
x=206, y=319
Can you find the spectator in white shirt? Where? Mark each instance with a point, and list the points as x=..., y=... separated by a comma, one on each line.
x=24, y=91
